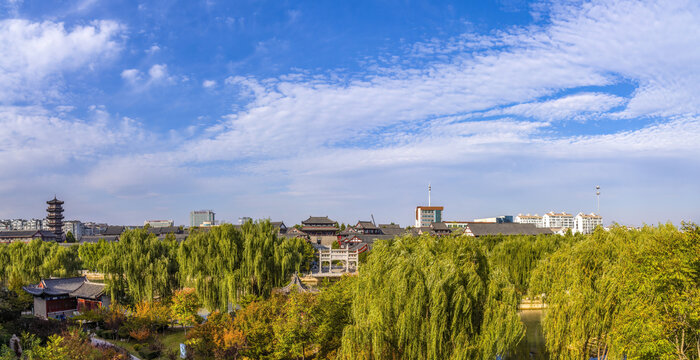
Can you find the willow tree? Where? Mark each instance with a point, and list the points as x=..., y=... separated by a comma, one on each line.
x=225, y=263
x=426, y=298
x=517, y=256
x=624, y=293
x=24, y=263
x=140, y=267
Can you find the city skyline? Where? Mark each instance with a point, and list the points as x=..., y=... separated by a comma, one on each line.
x=140, y=111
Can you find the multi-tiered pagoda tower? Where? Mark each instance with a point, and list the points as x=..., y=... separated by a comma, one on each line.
x=54, y=219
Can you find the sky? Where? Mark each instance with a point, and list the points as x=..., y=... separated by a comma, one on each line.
x=130, y=111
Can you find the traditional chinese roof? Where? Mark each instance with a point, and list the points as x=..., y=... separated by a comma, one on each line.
x=113, y=230
x=318, y=220
x=439, y=226
x=366, y=225
x=392, y=229
x=27, y=234
x=75, y=287
x=162, y=230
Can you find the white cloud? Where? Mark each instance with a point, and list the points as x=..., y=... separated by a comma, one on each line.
x=581, y=106
x=35, y=54
x=474, y=110
x=208, y=84
x=34, y=140
x=153, y=49
x=132, y=76
x=157, y=75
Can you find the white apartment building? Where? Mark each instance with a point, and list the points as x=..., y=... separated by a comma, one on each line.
x=585, y=224
x=529, y=219
x=558, y=220
x=75, y=227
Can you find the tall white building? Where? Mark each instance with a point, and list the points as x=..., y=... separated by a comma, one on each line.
x=426, y=215
x=558, y=220
x=529, y=219
x=585, y=224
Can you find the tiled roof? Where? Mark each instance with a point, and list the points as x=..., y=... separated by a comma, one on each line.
x=307, y=228
x=439, y=226
x=113, y=230
x=318, y=220
x=366, y=225
x=75, y=286
x=29, y=234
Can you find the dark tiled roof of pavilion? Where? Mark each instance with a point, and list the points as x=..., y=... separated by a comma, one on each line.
x=113, y=230
x=366, y=225
x=439, y=226
x=75, y=286
x=28, y=234
x=278, y=224
x=392, y=229
x=319, y=220
x=293, y=232
x=162, y=230
x=483, y=229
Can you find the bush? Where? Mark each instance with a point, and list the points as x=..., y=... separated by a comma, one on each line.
x=106, y=334
x=148, y=354
x=123, y=332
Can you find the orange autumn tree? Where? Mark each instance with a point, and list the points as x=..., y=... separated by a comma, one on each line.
x=217, y=338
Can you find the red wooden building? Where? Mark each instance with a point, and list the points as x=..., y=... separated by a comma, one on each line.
x=63, y=298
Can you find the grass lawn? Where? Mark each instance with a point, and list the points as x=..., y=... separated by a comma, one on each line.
x=171, y=341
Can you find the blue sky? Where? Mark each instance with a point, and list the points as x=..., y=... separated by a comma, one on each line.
x=131, y=111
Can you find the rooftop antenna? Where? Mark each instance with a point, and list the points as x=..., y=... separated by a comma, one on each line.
x=597, y=198
x=429, y=188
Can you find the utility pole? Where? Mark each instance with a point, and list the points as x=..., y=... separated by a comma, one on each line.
x=597, y=199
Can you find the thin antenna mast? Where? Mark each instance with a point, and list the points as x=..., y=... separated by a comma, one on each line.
x=597, y=199
x=429, y=188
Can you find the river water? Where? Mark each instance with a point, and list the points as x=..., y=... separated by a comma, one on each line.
x=532, y=346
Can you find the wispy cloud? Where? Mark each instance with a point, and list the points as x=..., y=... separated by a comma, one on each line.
x=34, y=52
x=476, y=111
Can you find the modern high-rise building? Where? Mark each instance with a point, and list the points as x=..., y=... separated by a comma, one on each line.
x=426, y=215
x=585, y=224
x=200, y=217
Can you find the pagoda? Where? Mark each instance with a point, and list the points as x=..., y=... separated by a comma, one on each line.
x=54, y=219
